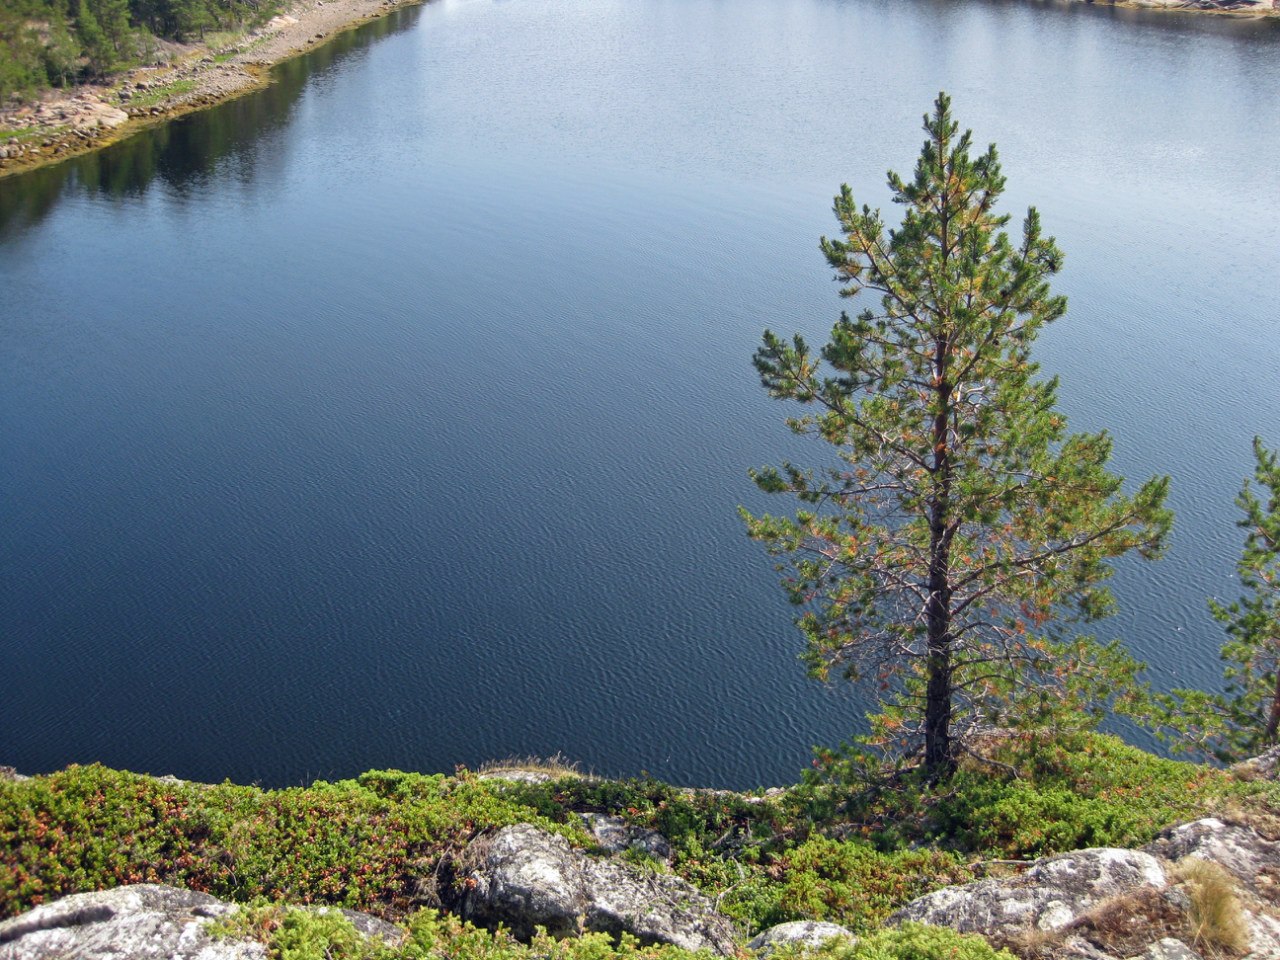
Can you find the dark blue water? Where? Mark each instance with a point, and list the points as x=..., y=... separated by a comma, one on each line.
x=398, y=415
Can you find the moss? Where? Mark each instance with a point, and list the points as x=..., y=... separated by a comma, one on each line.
x=158, y=94
x=24, y=134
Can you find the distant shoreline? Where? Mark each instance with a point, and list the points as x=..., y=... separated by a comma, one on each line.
x=1259, y=10
x=65, y=123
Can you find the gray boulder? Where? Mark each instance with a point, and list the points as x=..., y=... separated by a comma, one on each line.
x=1049, y=896
x=1253, y=861
x=144, y=922
x=1168, y=949
x=1265, y=766
x=1264, y=935
x=807, y=934
x=524, y=877
x=615, y=835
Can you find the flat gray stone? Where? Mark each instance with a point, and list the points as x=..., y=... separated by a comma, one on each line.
x=143, y=922
x=807, y=934
x=1049, y=896
x=1168, y=949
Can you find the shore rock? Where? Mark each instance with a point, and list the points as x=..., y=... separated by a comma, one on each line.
x=807, y=934
x=1049, y=896
x=616, y=835
x=1252, y=860
x=144, y=922
x=1265, y=766
x=524, y=877
x=1168, y=949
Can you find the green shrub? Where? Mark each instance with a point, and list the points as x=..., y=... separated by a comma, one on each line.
x=1030, y=795
x=855, y=884
x=359, y=843
x=917, y=941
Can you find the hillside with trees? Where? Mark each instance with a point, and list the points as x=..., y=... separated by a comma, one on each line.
x=61, y=42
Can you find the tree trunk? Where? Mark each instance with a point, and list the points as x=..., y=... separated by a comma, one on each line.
x=938, y=762
x=1273, y=721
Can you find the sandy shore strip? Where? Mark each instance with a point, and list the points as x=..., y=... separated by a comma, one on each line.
x=62, y=124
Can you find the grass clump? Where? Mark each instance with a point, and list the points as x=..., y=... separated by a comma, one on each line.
x=1216, y=918
x=555, y=767
x=158, y=94
x=25, y=134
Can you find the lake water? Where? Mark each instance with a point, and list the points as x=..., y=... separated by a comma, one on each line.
x=397, y=415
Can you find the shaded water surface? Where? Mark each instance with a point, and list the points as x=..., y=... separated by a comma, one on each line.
x=397, y=415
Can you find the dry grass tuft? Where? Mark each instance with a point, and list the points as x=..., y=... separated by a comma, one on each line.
x=1216, y=918
x=1124, y=926
x=555, y=766
x=1032, y=943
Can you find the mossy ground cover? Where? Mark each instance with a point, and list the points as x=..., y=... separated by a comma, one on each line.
x=158, y=94
x=1031, y=795
x=292, y=934
x=23, y=134
x=368, y=843
x=842, y=846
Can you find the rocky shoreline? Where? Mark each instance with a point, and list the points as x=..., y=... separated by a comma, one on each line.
x=63, y=124
x=1245, y=8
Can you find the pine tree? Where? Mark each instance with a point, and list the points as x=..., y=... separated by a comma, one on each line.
x=1252, y=651
x=97, y=46
x=1245, y=719
x=61, y=51
x=961, y=528
x=21, y=68
x=113, y=17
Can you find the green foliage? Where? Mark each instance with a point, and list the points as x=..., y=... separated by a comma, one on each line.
x=1244, y=720
x=852, y=844
x=292, y=934
x=960, y=525
x=1031, y=795
x=93, y=40
x=854, y=884
x=364, y=843
x=56, y=42
x=918, y=941
x=21, y=65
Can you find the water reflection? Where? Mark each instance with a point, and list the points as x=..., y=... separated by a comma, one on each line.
x=185, y=153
